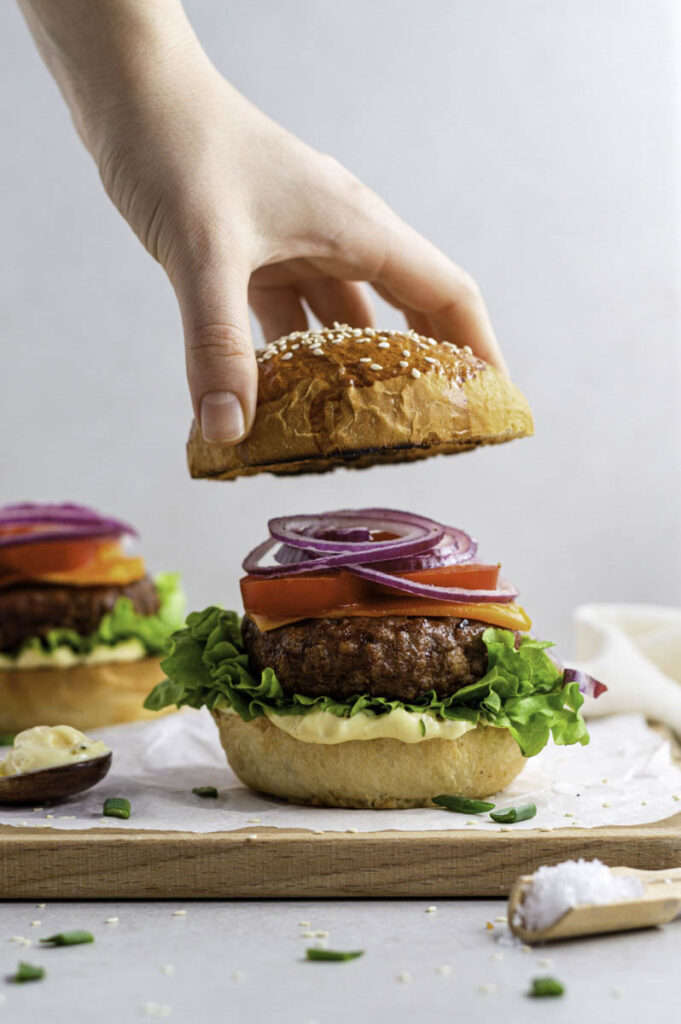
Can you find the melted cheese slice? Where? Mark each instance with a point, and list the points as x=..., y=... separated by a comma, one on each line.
x=507, y=616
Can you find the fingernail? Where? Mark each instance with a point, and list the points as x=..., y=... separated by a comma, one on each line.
x=222, y=418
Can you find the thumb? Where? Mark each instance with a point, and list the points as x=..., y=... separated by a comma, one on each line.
x=221, y=369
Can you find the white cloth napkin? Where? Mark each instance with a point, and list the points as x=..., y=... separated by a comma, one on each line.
x=635, y=649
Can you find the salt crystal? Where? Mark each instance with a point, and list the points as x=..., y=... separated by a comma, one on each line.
x=554, y=890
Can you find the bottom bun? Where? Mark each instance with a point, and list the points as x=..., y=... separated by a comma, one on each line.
x=381, y=773
x=83, y=696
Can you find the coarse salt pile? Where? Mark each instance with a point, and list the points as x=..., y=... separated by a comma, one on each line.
x=554, y=890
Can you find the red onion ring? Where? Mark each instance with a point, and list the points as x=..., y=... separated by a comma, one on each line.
x=458, y=595
x=589, y=686
x=53, y=522
x=342, y=539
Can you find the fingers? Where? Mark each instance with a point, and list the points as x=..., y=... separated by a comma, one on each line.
x=221, y=367
x=433, y=291
x=279, y=310
x=332, y=299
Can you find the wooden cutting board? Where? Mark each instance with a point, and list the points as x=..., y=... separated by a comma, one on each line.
x=46, y=864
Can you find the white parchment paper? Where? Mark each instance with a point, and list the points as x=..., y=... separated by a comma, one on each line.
x=624, y=777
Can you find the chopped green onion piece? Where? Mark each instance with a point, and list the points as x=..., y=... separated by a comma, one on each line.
x=205, y=791
x=73, y=938
x=422, y=726
x=333, y=954
x=546, y=987
x=513, y=814
x=117, y=807
x=462, y=805
x=6, y=739
x=29, y=972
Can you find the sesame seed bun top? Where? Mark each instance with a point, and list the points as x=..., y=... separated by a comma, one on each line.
x=358, y=396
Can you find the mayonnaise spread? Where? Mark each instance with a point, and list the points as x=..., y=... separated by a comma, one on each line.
x=66, y=657
x=47, y=746
x=399, y=724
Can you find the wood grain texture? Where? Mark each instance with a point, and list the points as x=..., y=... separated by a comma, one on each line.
x=124, y=863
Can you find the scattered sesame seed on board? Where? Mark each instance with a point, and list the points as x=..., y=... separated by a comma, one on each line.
x=179, y=913
x=111, y=920
x=488, y=989
x=404, y=976
x=443, y=969
x=431, y=910
x=502, y=919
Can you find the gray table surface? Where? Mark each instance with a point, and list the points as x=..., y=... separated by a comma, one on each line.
x=243, y=962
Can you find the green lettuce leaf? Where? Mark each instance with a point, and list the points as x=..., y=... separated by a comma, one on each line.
x=124, y=623
x=522, y=691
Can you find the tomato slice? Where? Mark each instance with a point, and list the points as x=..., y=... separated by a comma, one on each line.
x=48, y=555
x=78, y=563
x=310, y=595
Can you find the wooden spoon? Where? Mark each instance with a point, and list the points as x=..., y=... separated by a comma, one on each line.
x=52, y=784
x=660, y=902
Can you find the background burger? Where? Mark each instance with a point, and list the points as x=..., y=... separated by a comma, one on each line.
x=345, y=396
x=378, y=665
x=82, y=625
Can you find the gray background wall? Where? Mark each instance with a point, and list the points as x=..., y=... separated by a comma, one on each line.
x=533, y=140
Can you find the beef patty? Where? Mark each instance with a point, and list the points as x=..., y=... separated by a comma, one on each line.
x=32, y=609
x=396, y=657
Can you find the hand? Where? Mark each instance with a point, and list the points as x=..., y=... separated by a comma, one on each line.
x=237, y=209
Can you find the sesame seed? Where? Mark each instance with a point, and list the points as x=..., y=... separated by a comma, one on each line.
x=383, y=344
x=443, y=969
x=353, y=830
x=321, y=934
x=251, y=838
x=525, y=949
x=375, y=366
x=431, y=910
x=318, y=831
x=36, y=924
x=429, y=359
x=468, y=350
x=404, y=364
x=303, y=924
x=167, y=969
x=606, y=804
x=496, y=956
x=179, y=913
x=357, y=333
x=415, y=373
x=365, y=359
x=111, y=920
x=406, y=352
x=370, y=331
x=501, y=918
x=307, y=935
x=317, y=352
x=288, y=355
x=404, y=976
x=431, y=341
x=253, y=821
x=546, y=961
x=675, y=796
x=296, y=346
x=40, y=906
x=238, y=976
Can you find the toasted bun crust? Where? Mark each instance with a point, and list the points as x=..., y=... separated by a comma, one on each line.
x=348, y=397
x=84, y=696
x=367, y=773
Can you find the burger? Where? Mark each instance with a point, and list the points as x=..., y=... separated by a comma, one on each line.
x=346, y=396
x=82, y=625
x=379, y=663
